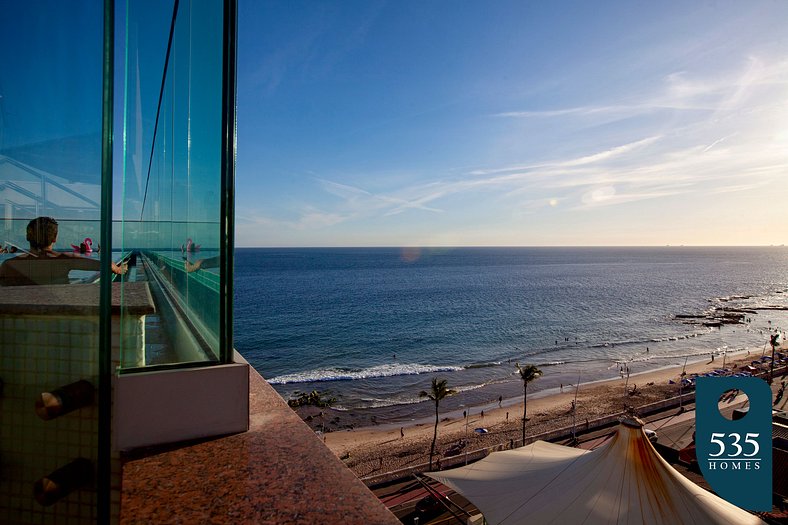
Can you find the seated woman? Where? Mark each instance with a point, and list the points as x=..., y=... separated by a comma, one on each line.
x=42, y=264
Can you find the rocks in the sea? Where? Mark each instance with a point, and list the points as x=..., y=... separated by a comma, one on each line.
x=313, y=398
x=733, y=298
x=716, y=317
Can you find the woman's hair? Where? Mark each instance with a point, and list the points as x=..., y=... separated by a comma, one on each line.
x=41, y=232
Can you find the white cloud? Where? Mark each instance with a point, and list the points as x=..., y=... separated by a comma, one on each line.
x=607, y=196
x=582, y=111
x=737, y=188
x=683, y=91
x=709, y=134
x=610, y=153
x=362, y=200
x=316, y=219
x=718, y=141
x=307, y=218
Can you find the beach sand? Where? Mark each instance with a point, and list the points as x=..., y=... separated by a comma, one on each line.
x=373, y=450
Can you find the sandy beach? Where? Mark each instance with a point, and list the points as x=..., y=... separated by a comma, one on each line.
x=373, y=450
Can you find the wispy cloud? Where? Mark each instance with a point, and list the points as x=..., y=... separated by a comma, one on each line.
x=715, y=143
x=712, y=142
x=417, y=204
x=682, y=91
x=607, y=112
x=599, y=156
x=583, y=111
x=316, y=219
x=719, y=145
x=307, y=218
x=360, y=198
x=609, y=154
x=737, y=188
x=608, y=196
x=656, y=167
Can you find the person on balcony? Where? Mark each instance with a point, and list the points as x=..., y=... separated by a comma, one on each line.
x=42, y=264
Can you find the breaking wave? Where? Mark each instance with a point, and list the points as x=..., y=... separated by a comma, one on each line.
x=350, y=374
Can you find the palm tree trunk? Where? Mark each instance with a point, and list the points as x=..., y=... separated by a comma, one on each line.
x=434, y=435
x=771, y=368
x=525, y=397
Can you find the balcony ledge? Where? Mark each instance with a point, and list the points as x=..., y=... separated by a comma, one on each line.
x=277, y=472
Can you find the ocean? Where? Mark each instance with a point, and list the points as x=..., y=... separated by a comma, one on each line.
x=372, y=326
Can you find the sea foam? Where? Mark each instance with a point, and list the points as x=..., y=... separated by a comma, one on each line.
x=345, y=374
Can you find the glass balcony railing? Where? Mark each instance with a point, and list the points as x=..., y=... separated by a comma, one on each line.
x=172, y=161
x=116, y=171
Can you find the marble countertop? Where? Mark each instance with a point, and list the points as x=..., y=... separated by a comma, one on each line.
x=277, y=472
x=74, y=299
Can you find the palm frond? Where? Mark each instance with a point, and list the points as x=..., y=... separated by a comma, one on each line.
x=528, y=373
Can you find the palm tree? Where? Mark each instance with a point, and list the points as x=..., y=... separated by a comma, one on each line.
x=773, y=341
x=528, y=373
x=438, y=391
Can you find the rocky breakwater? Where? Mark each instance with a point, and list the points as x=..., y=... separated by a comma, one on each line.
x=717, y=317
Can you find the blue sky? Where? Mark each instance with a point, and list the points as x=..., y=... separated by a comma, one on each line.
x=366, y=123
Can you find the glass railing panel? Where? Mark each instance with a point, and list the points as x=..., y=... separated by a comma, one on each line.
x=50, y=196
x=171, y=208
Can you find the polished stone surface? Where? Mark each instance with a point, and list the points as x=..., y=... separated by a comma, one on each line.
x=277, y=472
x=74, y=299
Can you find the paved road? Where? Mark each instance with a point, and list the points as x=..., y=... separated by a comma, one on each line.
x=401, y=498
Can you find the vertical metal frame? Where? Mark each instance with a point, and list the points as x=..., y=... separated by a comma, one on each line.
x=227, y=224
x=104, y=464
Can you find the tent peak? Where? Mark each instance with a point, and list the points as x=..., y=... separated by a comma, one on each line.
x=632, y=422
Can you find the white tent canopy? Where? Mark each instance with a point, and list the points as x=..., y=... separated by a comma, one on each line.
x=624, y=481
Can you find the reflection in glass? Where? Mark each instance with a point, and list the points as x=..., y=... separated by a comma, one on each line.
x=169, y=227
x=172, y=172
x=50, y=197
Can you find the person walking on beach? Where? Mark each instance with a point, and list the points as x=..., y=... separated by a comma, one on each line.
x=401, y=432
x=500, y=400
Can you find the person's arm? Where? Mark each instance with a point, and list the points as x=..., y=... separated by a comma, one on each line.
x=120, y=269
x=192, y=267
x=85, y=263
x=212, y=262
